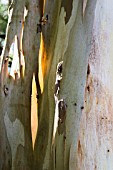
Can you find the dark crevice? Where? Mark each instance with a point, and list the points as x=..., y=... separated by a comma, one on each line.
x=88, y=69
x=67, y=4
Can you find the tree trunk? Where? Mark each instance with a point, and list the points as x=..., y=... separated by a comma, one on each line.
x=76, y=139
x=15, y=87
x=73, y=73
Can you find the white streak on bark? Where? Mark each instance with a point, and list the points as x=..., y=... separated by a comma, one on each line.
x=55, y=121
x=15, y=64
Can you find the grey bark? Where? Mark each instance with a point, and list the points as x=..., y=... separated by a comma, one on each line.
x=75, y=87
x=15, y=90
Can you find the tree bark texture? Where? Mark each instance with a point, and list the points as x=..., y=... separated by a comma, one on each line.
x=15, y=91
x=68, y=36
x=71, y=57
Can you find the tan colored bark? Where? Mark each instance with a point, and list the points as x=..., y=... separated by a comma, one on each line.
x=74, y=123
x=15, y=92
x=95, y=142
x=71, y=39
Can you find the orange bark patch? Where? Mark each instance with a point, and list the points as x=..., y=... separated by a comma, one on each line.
x=79, y=149
x=34, y=118
x=42, y=63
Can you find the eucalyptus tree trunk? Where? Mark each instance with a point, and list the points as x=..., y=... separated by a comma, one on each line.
x=15, y=85
x=75, y=123
x=67, y=45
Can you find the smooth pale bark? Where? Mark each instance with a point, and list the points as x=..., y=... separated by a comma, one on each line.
x=15, y=90
x=82, y=39
x=78, y=133
x=95, y=141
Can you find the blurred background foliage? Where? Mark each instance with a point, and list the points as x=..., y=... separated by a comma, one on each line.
x=3, y=20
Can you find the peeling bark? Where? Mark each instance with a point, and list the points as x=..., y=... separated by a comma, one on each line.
x=15, y=93
x=65, y=45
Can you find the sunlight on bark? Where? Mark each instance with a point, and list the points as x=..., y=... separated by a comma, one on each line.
x=42, y=64
x=34, y=117
x=15, y=70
